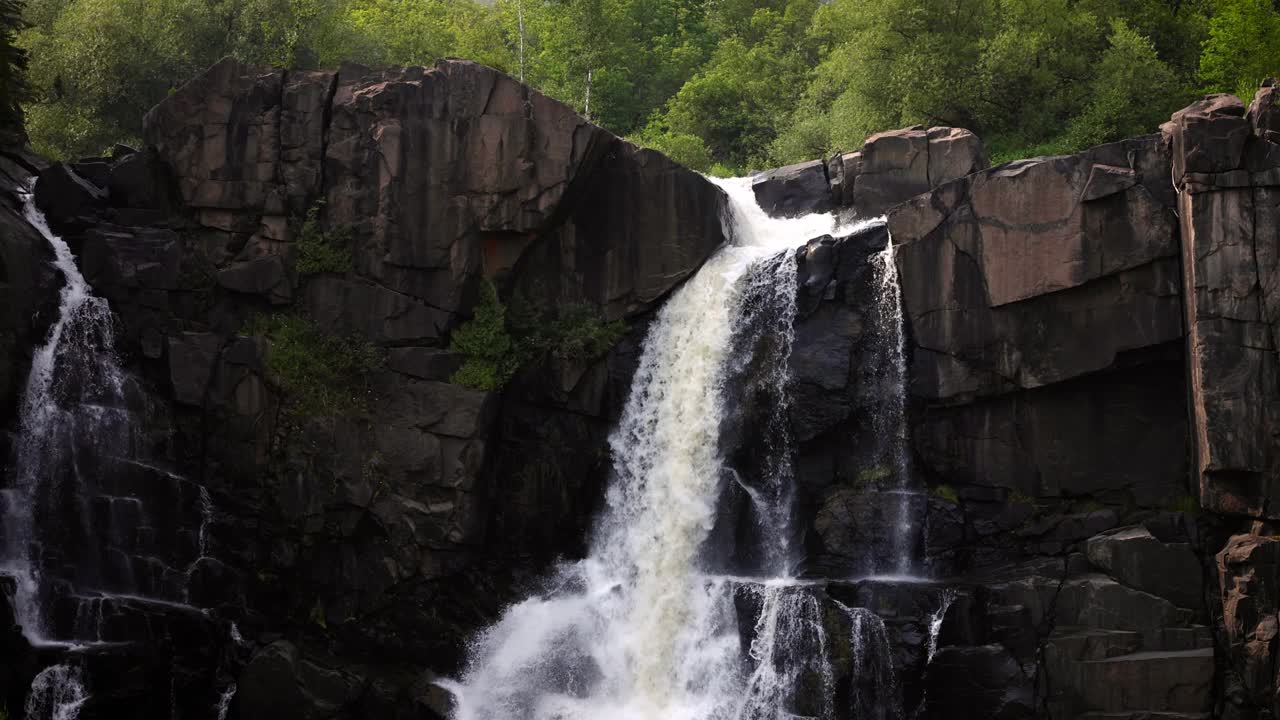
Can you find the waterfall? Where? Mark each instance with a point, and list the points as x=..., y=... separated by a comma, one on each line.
x=875, y=693
x=100, y=540
x=224, y=701
x=890, y=365
x=642, y=628
x=67, y=404
x=57, y=693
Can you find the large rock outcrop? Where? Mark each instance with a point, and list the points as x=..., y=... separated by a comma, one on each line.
x=281, y=224
x=1088, y=353
x=890, y=168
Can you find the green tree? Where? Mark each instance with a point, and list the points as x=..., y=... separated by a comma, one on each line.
x=1243, y=47
x=13, y=67
x=736, y=103
x=1132, y=92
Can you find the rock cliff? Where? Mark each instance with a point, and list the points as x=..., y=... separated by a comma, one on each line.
x=1089, y=369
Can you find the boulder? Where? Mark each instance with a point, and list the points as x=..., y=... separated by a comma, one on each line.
x=141, y=180
x=894, y=166
x=980, y=682
x=280, y=682
x=1264, y=112
x=62, y=193
x=953, y=154
x=1248, y=574
x=794, y=190
x=1207, y=136
x=890, y=168
x=1136, y=558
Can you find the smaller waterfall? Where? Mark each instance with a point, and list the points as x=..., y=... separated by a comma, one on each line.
x=57, y=693
x=789, y=650
x=935, y=622
x=890, y=423
x=224, y=701
x=875, y=694
x=46, y=479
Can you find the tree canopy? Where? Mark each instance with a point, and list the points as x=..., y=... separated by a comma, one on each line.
x=721, y=85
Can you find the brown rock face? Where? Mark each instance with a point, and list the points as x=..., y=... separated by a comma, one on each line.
x=1264, y=112
x=890, y=168
x=1004, y=272
x=1249, y=578
x=1048, y=413
x=401, y=519
x=1230, y=214
x=442, y=176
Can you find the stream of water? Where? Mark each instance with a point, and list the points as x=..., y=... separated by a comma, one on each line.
x=641, y=629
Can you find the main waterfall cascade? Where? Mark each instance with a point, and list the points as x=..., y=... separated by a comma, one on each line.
x=88, y=556
x=651, y=624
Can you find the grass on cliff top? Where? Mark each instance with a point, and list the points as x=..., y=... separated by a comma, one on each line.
x=320, y=374
x=494, y=346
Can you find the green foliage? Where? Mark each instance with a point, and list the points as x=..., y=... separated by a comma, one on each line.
x=13, y=69
x=1243, y=47
x=873, y=474
x=494, y=346
x=575, y=333
x=1129, y=92
x=721, y=86
x=487, y=348
x=1017, y=497
x=321, y=251
x=946, y=492
x=321, y=375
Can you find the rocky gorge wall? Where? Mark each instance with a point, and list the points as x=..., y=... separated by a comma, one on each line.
x=1090, y=444
x=1091, y=388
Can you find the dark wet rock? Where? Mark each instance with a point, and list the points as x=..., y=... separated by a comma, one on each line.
x=794, y=190
x=1136, y=558
x=890, y=168
x=280, y=682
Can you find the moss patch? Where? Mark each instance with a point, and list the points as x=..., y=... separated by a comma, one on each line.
x=495, y=343
x=321, y=251
x=946, y=492
x=320, y=374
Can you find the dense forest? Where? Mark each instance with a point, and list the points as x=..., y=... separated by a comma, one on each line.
x=721, y=85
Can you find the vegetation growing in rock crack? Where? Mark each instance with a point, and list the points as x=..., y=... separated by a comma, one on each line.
x=947, y=493
x=320, y=374
x=494, y=346
x=723, y=86
x=320, y=250
x=486, y=346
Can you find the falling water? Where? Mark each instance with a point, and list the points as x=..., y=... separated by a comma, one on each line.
x=640, y=629
x=889, y=356
x=224, y=701
x=57, y=693
x=931, y=647
x=75, y=533
x=875, y=692
x=51, y=426
x=935, y=622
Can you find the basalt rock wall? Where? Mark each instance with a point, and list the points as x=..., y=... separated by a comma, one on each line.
x=368, y=516
x=1091, y=410
x=1089, y=348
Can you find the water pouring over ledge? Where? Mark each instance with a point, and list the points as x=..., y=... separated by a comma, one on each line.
x=643, y=628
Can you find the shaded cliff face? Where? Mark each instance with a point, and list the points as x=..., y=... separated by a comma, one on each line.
x=383, y=518
x=1091, y=374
